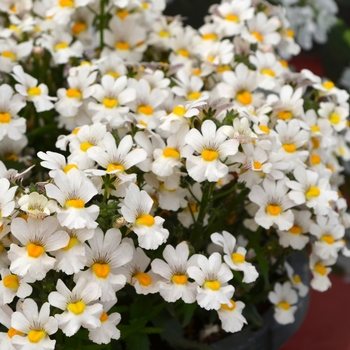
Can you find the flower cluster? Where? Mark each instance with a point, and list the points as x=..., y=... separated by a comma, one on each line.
x=189, y=166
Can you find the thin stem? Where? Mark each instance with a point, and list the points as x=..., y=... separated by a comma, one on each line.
x=102, y=17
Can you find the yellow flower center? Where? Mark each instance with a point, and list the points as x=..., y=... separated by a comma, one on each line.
x=76, y=308
x=183, y=52
x=284, y=63
x=34, y=91
x=113, y=74
x=101, y=270
x=73, y=93
x=296, y=279
x=34, y=336
x=290, y=33
x=328, y=85
x=194, y=95
x=179, y=279
x=258, y=36
x=213, y=285
x=264, y=128
x=11, y=156
x=84, y=146
x=237, y=258
x=145, y=220
x=122, y=45
x=315, y=142
x=315, y=159
x=197, y=71
x=209, y=155
x=122, y=14
x=284, y=115
x=10, y=55
x=179, y=111
x=79, y=27
x=315, y=128
x=244, y=97
x=164, y=33
x=72, y=242
x=34, y=250
x=5, y=118
x=209, y=36
x=328, y=239
x=193, y=208
x=274, y=209
x=12, y=332
x=60, y=46
x=312, y=192
x=257, y=165
x=334, y=118
x=295, y=230
x=284, y=305
x=223, y=68
x=113, y=167
x=269, y=72
x=70, y=167
x=110, y=102
x=229, y=308
x=171, y=153
x=232, y=18
x=75, y=203
x=66, y=3
x=289, y=147
x=11, y=282
x=104, y=317
x=320, y=269
x=145, y=109
x=143, y=278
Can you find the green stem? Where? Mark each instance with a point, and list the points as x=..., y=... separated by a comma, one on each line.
x=102, y=17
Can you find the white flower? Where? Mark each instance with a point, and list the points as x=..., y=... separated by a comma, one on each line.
x=37, y=326
x=320, y=270
x=36, y=237
x=36, y=205
x=212, y=148
x=296, y=281
x=212, y=276
x=7, y=204
x=283, y=297
x=72, y=193
x=135, y=209
x=273, y=204
x=235, y=258
x=104, y=255
x=174, y=271
x=79, y=309
x=5, y=320
x=231, y=316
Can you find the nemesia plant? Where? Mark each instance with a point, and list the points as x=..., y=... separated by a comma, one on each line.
x=155, y=177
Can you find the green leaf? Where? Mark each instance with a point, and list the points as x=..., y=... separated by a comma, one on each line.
x=152, y=330
x=188, y=311
x=138, y=341
x=252, y=315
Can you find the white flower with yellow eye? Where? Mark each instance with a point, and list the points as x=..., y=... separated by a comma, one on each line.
x=174, y=271
x=320, y=269
x=6, y=337
x=108, y=330
x=311, y=189
x=162, y=31
x=135, y=209
x=105, y=253
x=11, y=52
x=11, y=124
x=112, y=95
x=335, y=114
x=36, y=238
x=12, y=285
x=212, y=276
x=239, y=85
x=126, y=38
x=144, y=282
x=230, y=16
x=329, y=235
x=72, y=258
x=72, y=193
x=112, y=65
x=79, y=306
x=273, y=204
x=283, y=297
x=212, y=148
x=36, y=205
x=295, y=237
x=86, y=137
x=296, y=281
x=328, y=88
x=28, y=88
x=35, y=326
x=231, y=316
x=80, y=82
x=235, y=256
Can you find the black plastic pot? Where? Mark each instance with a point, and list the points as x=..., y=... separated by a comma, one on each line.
x=272, y=335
